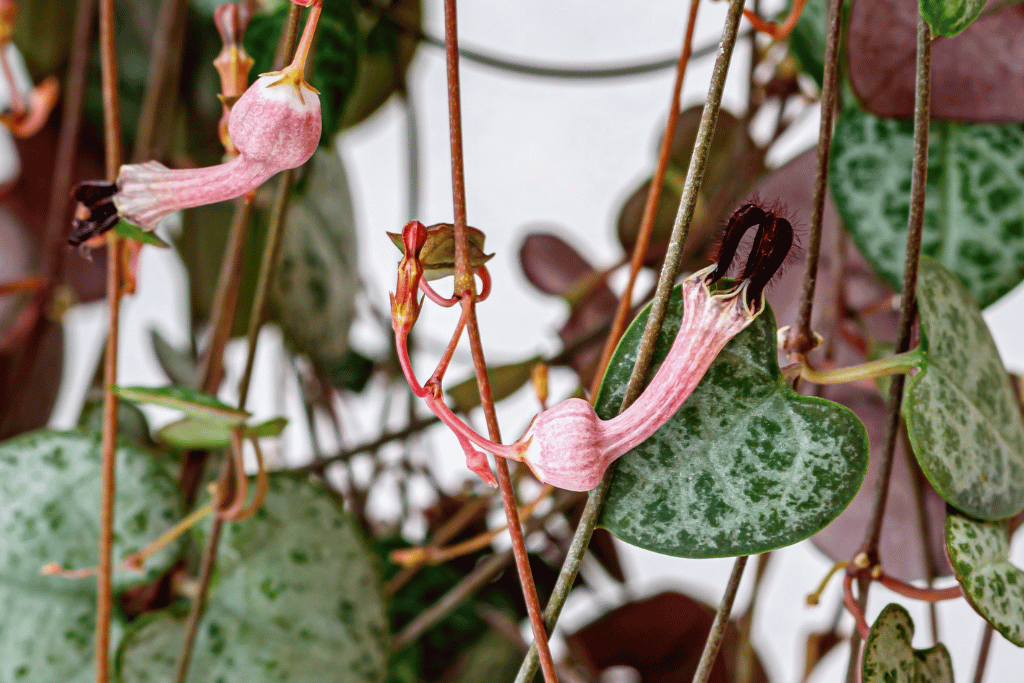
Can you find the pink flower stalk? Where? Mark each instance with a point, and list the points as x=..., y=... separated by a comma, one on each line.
x=569, y=446
x=274, y=125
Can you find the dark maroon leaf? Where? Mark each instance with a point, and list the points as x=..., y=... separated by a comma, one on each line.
x=816, y=647
x=901, y=549
x=976, y=76
x=30, y=379
x=662, y=638
x=552, y=265
x=734, y=163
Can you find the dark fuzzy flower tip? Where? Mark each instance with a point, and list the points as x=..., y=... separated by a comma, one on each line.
x=98, y=197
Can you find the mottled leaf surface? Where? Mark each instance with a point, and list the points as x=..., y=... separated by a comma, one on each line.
x=889, y=656
x=962, y=418
x=980, y=552
x=296, y=598
x=950, y=17
x=50, y=490
x=746, y=465
x=317, y=275
x=974, y=207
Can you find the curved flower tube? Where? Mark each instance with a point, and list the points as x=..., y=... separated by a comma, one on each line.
x=569, y=446
x=274, y=125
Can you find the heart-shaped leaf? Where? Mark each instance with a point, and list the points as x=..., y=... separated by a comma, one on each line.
x=50, y=488
x=746, y=465
x=962, y=418
x=950, y=17
x=191, y=434
x=976, y=76
x=296, y=598
x=193, y=403
x=317, y=275
x=980, y=553
x=889, y=656
x=974, y=211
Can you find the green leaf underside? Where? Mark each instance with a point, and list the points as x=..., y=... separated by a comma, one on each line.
x=746, y=465
x=950, y=17
x=296, y=598
x=980, y=555
x=193, y=403
x=50, y=490
x=134, y=232
x=962, y=418
x=190, y=433
x=974, y=206
x=889, y=656
x=505, y=380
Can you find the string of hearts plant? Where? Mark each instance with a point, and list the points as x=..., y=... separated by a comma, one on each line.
x=694, y=442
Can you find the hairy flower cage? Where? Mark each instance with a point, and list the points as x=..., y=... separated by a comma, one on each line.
x=275, y=125
x=568, y=445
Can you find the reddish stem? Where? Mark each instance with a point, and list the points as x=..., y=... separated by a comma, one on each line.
x=854, y=607
x=915, y=593
x=465, y=287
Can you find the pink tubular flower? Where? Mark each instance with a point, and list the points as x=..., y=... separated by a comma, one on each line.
x=275, y=125
x=569, y=446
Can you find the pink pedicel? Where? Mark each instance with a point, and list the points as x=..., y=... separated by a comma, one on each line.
x=570, y=447
x=275, y=125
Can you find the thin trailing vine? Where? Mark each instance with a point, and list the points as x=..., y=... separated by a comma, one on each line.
x=275, y=235
x=115, y=276
x=465, y=289
x=717, y=633
x=669, y=271
x=802, y=337
x=868, y=556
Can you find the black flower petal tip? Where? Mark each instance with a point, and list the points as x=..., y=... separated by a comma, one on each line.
x=768, y=251
x=98, y=197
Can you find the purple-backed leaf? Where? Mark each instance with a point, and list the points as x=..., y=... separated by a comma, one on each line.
x=552, y=265
x=901, y=548
x=30, y=405
x=734, y=163
x=662, y=637
x=976, y=76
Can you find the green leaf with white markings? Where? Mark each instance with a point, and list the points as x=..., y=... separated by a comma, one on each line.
x=50, y=488
x=317, y=274
x=296, y=597
x=962, y=418
x=746, y=465
x=889, y=656
x=974, y=206
x=950, y=17
x=193, y=403
x=190, y=433
x=980, y=555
